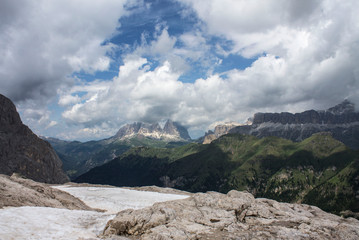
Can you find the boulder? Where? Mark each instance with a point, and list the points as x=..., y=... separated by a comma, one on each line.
x=236, y=215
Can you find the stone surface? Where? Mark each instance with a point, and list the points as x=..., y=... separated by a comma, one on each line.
x=21, y=151
x=16, y=192
x=236, y=215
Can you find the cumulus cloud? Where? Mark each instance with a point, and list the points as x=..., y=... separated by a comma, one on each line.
x=314, y=42
x=43, y=42
x=306, y=54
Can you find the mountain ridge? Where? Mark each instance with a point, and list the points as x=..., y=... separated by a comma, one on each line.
x=341, y=120
x=271, y=167
x=79, y=157
x=172, y=131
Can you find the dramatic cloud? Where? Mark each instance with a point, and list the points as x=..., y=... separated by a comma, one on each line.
x=43, y=42
x=303, y=54
x=315, y=43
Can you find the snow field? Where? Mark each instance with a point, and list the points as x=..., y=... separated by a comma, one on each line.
x=42, y=223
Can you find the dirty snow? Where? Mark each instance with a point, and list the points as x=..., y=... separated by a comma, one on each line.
x=114, y=200
x=42, y=223
x=50, y=223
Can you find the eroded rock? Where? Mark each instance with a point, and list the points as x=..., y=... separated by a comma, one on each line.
x=236, y=215
x=16, y=192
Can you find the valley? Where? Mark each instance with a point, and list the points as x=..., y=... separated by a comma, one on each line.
x=179, y=120
x=233, y=179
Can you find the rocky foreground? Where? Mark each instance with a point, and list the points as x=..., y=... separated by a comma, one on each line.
x=16, y=192
x=211, y=215
x=236, y=215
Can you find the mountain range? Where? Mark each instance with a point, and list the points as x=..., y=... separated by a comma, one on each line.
x=80, y=157
x=172, y=131
x=341, y=120
x=319, y=170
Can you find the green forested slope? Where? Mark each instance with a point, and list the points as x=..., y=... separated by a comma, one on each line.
x=319, y=170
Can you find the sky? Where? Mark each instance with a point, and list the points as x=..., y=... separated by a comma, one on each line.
x=79, y=70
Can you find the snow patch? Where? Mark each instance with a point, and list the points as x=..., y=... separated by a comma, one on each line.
x=37, y=223
x=114, y=200
x=42, y=223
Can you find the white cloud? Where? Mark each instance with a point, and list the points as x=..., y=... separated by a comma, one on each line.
x=51, y=124
x=315, y=43
x=68, y=99
x=306, y=54
x=43, y=42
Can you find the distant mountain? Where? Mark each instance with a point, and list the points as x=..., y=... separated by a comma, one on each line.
x=80, y=157
x=341, y=120
x=219, y=130
x=171, y=131
x=318, y=170
x=22, y=152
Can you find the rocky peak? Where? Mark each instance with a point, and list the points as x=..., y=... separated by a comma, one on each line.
x=129, y=130
x=21, y=151
x=344, y=107
x=175, y=129
x=171, y=131
x=342, y=113
x=220, y=130
x=8, y=113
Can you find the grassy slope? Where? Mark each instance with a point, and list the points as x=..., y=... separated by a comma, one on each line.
x=319, y=170
x=79, y=157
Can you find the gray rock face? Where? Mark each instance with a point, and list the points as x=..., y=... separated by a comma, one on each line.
x=342, y=121
x=219, y=130
x=342, y=113
x=21, y=151
x=175, y=129
x=17, y=192
x=236, y=215
x=171, y=131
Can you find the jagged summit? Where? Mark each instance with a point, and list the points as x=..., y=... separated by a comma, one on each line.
x=172, y=131
x=344, y=107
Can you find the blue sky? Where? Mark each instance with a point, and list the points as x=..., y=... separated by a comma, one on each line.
x=81, y=69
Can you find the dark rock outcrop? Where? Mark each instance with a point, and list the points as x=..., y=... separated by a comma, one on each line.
x=342, y=121
x=21, y=151
x=236, y=215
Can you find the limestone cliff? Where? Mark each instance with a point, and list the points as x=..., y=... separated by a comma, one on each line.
x=341, y=120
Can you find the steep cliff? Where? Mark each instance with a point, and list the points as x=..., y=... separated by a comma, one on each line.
x=21, y=151
x=341, y=120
